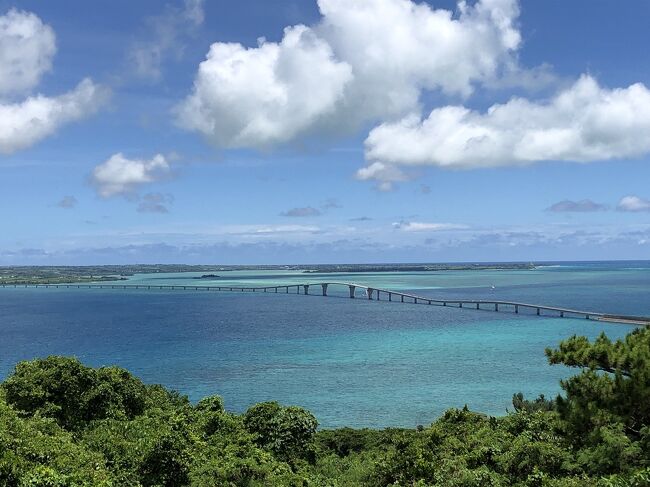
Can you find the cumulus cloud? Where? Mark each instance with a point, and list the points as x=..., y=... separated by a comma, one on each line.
x=583, y=123
x=633, y=203
x=155, y=203
x=576, y=206
x=398, y=48
x=371, y=61
x=119, y=175
x=362, y=62
x=27, y=47
x=67, y=202
x=26, y=123
x=266, y=95
x=384, y=174
x=427, y=227
x=169, y=32
x=301, y=212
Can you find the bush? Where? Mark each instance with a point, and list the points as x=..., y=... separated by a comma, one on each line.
x=63, y=389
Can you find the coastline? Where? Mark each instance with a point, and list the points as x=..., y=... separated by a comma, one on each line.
x=106, y=273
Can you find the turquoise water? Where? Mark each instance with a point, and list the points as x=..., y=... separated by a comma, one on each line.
x=351, y=362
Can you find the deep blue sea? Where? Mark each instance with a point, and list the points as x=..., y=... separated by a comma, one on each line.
x=351, y=362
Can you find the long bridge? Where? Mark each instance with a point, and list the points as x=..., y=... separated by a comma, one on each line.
x=370, y=293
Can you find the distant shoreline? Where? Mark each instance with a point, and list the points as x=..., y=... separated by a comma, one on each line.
x=417, y=268
x=86, y=274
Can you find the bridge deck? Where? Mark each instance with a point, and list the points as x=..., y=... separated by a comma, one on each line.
x=370, y=293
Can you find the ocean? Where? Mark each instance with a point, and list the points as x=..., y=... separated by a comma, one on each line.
x=355, y=363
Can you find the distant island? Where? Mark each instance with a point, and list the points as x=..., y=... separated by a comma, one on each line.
x=102, y=273
x=85, y=274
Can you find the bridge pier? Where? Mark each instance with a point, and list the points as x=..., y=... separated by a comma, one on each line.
x=352, y=288
x=306, y=286
x=324, y=286
x=496, y=306
x=369, y=292
x=561, y=314
x=390, y=296
x=477, y=306
x=402, y=296
x=537, y=311
x=516, y=308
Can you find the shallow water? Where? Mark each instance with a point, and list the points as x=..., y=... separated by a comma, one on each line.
x=351, y=362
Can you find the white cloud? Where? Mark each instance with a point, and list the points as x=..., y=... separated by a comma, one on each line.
x=365, y=60
x=427, y=227
x=168, y=37
x=398, y=48
x=121, y=176
x=25, y=123
x=582, y=123
x=633, y=203
x=262, y=230
x=27, y=47
x=266, y=95
x=384, y=174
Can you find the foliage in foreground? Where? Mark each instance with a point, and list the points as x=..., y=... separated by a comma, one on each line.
x=64, y=424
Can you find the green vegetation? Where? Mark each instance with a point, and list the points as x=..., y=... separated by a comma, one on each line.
x=80, y=274
x=64, y=424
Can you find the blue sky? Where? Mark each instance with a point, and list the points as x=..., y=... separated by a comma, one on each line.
x=367, y=131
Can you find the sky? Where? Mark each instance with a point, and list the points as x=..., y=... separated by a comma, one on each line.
x=330, y=131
